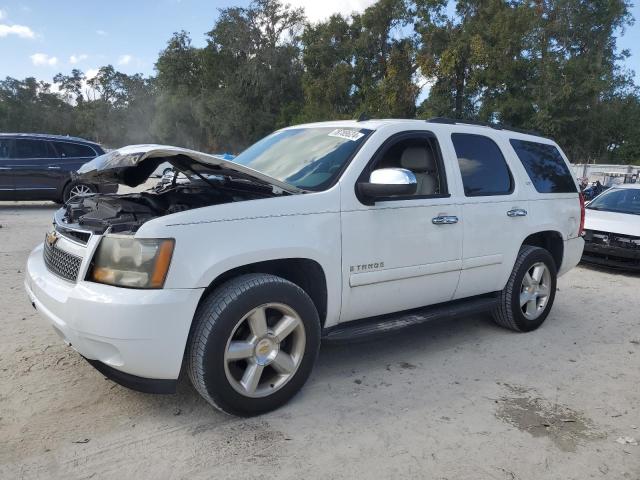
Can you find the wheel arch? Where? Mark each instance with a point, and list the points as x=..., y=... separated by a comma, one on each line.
x=308, y=274
x=551, y=241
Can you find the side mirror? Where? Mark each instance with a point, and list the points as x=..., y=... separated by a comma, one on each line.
x=388, y=182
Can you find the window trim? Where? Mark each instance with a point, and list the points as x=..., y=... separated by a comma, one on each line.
x=512, y=181
x=382, y=149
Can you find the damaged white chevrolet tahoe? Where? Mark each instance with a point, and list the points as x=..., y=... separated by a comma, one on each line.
x=323, y=231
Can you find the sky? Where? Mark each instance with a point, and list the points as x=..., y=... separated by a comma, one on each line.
x=40, y=38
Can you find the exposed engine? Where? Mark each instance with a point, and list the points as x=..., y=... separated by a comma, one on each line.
x=126, y=213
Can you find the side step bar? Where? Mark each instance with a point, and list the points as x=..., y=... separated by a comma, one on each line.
x=369, y=327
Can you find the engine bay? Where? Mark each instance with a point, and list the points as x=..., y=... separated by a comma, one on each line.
x=125, y=213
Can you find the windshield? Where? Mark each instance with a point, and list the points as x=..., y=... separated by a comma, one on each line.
x=308, y=158
x=621, y=200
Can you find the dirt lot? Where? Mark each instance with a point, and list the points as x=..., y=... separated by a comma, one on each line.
x=448, y=400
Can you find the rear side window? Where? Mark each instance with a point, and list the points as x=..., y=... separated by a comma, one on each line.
x=482, y=165
x=66, y=150
x=545, y=166
x=31, y=149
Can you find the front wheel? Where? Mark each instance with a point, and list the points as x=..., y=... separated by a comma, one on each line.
x=527, y=298
x=254, y=343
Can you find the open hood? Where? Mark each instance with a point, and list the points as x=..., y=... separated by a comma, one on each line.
x=134, y=164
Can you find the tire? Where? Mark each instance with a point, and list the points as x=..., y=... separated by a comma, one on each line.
x=225, y=319
x=510, y=312
x=77, y=188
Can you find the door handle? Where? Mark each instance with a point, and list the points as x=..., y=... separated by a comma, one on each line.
x=444, y=220
x=517, y=212
x=52, y=167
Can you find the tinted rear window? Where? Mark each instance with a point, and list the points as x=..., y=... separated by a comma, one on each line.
x=31, y=149
x=545, y=166
x=482, y=166
x=66, y=150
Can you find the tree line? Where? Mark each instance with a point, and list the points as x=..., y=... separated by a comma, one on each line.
x=550, y=66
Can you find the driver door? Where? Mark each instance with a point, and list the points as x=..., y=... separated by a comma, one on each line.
x=396, y=254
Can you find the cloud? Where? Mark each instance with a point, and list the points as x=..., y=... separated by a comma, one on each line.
x=3, y=14
x=102, y=33
x=125, y=59
x=73, y=59
x=21, y=31
x=92, y=72
x=317, y=10
x=39, y=59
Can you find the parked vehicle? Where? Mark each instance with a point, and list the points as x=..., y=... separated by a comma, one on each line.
x=41, y=167
x=612, y=228
x=330, y=230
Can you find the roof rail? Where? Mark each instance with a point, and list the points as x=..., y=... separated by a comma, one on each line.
x=496, y=126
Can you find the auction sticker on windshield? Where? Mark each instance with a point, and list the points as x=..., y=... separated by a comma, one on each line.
x=352, y=135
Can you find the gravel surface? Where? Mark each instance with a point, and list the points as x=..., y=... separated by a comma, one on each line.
x=457, y=399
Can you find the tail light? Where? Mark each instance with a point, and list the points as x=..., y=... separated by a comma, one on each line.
x=582, y=212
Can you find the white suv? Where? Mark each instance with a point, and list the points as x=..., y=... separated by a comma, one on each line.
x=321, y=231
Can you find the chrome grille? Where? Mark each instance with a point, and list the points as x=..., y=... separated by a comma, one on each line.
x=61, y=263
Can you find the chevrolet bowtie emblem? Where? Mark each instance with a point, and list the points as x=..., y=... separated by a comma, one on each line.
x=51, y=238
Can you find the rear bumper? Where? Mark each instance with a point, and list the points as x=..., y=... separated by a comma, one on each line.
x=571, y=255
x=133, y=333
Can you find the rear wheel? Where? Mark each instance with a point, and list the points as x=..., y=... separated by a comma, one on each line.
x=75, y=189
x=528, y=296
x=254, y=344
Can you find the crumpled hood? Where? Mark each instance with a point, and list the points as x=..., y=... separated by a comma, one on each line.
x=613, y=222
x=133, y=165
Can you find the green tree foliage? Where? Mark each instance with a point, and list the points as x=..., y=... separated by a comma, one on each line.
x=548, y=65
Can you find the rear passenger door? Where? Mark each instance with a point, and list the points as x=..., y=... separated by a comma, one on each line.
x=30, y=164
x=494, y=214
x=72, y=155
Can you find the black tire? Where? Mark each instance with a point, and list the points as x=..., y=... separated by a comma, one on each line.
x=509, y=313
x=215, y=322
x=66, y=194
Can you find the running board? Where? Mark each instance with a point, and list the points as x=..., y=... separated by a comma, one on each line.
x=368, y=327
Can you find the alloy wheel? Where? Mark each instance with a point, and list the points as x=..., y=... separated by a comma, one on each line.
x=264, y=350
x=535, y=290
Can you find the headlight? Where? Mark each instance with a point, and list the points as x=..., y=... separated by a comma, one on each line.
x=125, y=261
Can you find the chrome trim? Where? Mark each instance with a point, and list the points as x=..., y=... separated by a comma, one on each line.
x=517, y=212
x=393, y=176
x=444, y=220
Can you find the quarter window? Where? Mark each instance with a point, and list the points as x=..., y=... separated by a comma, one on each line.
x=71, y=150
x=545, y=166
x=482, y=166
x=31, y=149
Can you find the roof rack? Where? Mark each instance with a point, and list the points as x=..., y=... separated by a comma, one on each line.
x=496, y=126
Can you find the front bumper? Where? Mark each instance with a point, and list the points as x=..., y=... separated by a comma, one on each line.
x=134, y=334
x=611, y=256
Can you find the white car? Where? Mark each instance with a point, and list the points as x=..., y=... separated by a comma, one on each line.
x=329, y=230
x=612, y=228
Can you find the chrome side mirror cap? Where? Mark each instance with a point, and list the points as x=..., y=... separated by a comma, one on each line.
x=388, y=182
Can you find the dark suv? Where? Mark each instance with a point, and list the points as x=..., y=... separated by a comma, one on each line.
x=40, y=167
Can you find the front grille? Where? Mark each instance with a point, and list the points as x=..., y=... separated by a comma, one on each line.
x=61, y=263
x=612, y=239
x=74, y=235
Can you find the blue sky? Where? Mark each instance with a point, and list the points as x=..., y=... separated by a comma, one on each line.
x=41, y=38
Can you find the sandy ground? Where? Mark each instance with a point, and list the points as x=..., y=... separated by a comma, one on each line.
x=447, y=400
